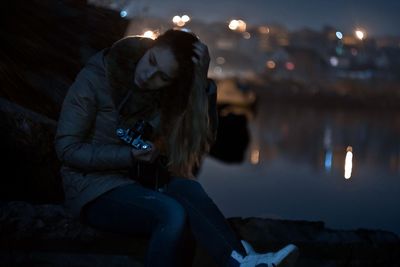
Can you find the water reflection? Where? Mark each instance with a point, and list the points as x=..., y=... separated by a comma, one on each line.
x=319, y=137
x=300, y=155
x=328, y=148
x=348, y=163
x=255, y=156
x=233, y=136
x=328, y=160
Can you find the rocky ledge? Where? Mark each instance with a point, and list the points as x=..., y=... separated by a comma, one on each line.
x=46, y=235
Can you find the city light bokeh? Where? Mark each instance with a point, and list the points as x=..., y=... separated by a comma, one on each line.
x=360, y=34
x=237, y=25
x=150, y=34
x=180, y=20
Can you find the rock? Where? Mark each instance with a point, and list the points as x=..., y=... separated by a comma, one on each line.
x=45, y=43
x=28, y=160
x=60, y=259
x=46, y=233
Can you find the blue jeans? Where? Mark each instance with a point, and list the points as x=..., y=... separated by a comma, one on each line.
x=174, y=220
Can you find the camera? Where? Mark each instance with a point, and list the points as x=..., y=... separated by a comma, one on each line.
x=133, y=136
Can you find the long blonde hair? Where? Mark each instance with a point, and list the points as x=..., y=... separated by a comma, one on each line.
x=184, y=108
x=189, y=137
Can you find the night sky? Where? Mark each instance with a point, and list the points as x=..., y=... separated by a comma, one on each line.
x=376, y=17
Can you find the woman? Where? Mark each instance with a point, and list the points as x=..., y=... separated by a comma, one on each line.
x=164, y=83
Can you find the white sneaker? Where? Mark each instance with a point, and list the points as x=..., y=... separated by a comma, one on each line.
x=283, y=258
x=247, y=247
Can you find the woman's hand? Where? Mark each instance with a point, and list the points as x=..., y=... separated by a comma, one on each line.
x=146, y=155
x=201, y=61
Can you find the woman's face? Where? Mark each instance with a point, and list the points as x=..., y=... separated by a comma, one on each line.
x=157, y=68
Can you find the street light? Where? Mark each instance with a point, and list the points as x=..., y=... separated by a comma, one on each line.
x=180, y=21
x=185, y=18
x=360, y=34
x=237, y=25
x=233, y=24
x=176, y=19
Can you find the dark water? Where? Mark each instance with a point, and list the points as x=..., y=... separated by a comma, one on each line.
x=294, y=168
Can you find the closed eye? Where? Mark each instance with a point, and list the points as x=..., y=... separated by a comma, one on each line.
x=152, y=59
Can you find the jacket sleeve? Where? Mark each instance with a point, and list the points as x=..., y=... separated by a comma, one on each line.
x=72, y=140
x=212, y=108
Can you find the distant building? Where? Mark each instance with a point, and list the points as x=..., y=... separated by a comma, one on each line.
x=305, y=55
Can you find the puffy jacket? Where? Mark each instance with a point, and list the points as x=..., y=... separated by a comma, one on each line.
x=94, y=160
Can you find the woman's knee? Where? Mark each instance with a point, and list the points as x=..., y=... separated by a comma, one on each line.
x=172, y=213
x=187, y=188
x=183, y=184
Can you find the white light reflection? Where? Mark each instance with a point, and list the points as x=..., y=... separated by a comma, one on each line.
x=339, y=35
x=360, y=34
x=185, y=18
x=176, y=19
x=233, y=24
x=180, y=21
x=237, y=25
x=348, y=165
